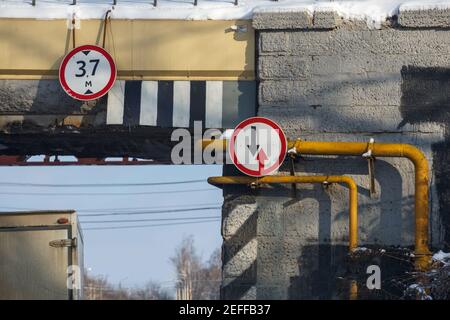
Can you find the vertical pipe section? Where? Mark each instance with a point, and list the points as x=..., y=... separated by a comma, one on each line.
x=408, y=151
x=353, y=290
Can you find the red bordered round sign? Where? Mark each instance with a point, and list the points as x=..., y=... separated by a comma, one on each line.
x=87, y=72
x=258, y=146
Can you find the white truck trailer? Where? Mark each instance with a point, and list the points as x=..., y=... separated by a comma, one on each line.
x=41, y=255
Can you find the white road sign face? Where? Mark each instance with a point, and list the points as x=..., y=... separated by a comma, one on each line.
x=258, y=146
x=87, y=72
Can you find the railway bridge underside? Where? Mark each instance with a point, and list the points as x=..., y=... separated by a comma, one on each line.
x=320, y=77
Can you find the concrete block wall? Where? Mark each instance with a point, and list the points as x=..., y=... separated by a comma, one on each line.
x=325, y=79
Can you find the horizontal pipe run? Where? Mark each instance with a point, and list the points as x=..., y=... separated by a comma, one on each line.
x=416, y=156
x=353, y=193
x=408, y=151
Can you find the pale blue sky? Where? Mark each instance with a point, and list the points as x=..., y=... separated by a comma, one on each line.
x=129, y=256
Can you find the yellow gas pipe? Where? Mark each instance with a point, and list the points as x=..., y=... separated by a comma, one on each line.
x=353, y=193
x=422, y=252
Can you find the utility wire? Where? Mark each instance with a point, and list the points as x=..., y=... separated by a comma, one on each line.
x=102, y=193
x=150, y=225
x=146, y=220
x=87, y=185
x=149, y=212
x=184, y=205
x=123, y=209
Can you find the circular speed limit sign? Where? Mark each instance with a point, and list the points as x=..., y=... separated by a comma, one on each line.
x=87, y=72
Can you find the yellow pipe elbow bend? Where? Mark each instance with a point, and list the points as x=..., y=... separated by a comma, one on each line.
x=353, y=193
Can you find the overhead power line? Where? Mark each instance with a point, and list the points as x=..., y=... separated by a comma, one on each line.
x=102, y=193
x=183, y=205
x=87, y=185
x=146, y=220
x=148, y=212
x=186, y=206
x=151, y=225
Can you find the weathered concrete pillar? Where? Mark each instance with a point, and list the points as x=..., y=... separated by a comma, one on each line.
x=239, y=250
x=322, y=78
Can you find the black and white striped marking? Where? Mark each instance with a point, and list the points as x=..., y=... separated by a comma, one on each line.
x=218, y=104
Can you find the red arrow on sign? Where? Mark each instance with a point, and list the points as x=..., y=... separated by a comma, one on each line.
x=261, y=157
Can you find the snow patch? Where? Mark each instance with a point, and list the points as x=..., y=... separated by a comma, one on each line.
x=418, y=291
x=360, y=249
x=442, y=257
x=373, y=12
x=227, y=134
x=424, y=5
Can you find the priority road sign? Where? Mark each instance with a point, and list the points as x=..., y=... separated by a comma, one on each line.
x=87, y=72
x=257, y=146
